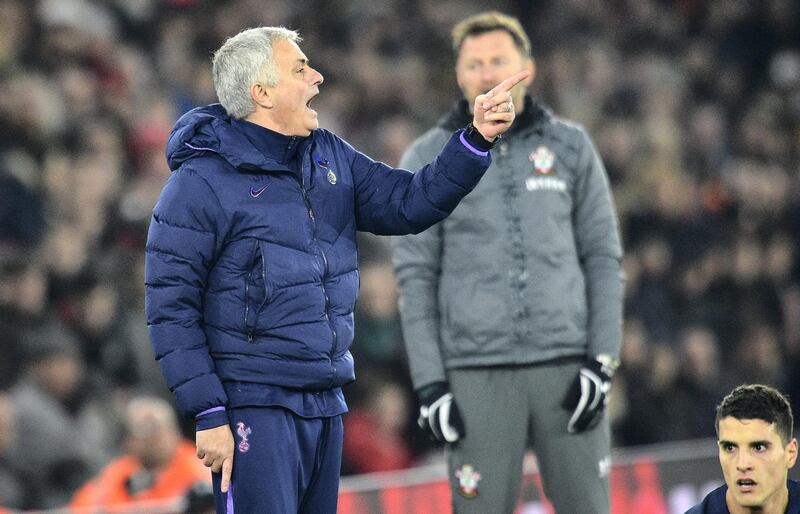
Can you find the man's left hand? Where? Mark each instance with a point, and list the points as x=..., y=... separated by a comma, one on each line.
x=494, y=111
x=587, y=397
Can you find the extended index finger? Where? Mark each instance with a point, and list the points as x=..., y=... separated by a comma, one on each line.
x=227, y=468
x=508, y=83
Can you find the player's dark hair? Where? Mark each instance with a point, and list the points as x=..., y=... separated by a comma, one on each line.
x=756, y=401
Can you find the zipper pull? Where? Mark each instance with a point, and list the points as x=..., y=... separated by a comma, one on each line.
x=249, y=336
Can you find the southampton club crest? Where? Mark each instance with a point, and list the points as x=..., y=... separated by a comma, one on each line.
x=543, y=160
x=468, y=480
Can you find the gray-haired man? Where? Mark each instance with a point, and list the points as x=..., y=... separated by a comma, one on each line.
x=251, y=267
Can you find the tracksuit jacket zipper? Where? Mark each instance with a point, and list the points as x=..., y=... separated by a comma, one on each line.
x=324, y=259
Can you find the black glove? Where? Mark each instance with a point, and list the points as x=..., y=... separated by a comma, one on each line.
x=587, y=396
x=438, y=413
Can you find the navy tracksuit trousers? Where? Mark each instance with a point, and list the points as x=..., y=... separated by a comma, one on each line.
x=282, y=463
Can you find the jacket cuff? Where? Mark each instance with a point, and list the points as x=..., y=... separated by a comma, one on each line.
x=472, y=139
x=211, y=418
x=432, y=392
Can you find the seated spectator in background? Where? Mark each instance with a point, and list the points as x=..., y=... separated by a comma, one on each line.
x=379, y=338
x=756, y=451
x=374, y=429
x=700, y=382
x=200, y=499
x=23, y=304
x=13, y=493
x=63, y=435
x=158, y=463
x=22, y=222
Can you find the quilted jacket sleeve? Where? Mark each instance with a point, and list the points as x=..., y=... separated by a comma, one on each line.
x=417, y=267
x=394, y=202
x=598, y=242
x=183, y=243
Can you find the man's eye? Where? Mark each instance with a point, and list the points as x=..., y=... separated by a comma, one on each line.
x=728, y=447
x=760, y=447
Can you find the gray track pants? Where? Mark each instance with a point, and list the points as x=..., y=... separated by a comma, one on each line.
x=509, y=409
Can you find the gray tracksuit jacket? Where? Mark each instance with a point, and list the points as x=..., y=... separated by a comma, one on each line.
x=527, y=269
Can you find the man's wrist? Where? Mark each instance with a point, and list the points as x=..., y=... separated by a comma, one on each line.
x=211, y=418
x=608, y=363
x=476, y=139
x=432, y=392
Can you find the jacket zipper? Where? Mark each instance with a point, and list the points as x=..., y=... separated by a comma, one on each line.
x=503, y=149
x=247, y=307
x=250, y=331
x=324, y=259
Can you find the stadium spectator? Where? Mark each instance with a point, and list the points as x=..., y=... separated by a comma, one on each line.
x=13, y=485
x=200, y=499
x=158, y=464
x=23, y=306
x=375, y=436
x=51, y=410
x=379, y=337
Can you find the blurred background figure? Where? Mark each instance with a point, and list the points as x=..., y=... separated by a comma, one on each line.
x=23, y=302
x=699, y=384
x=512, y=307
x=158, y=464
x=62, y=434
x=200, y=499
x=13, y=484
x=378, y=336
x=375, y=429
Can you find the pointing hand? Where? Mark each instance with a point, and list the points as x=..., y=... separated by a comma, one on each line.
x=494, y=110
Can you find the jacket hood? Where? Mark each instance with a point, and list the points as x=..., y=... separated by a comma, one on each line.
x=533, y=115
x=209, y=129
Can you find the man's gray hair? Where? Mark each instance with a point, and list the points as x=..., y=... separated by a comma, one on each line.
x=243, y=60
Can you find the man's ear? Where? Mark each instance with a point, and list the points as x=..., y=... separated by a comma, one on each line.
x=791, y=453
x=261, y=95
x=458, y=79
x=530, y=66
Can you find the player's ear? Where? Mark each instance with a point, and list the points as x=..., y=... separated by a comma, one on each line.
x=791, y=453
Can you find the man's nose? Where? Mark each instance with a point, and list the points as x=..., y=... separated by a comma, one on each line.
x=488, y=76
x=317, y=77
x=743, y=461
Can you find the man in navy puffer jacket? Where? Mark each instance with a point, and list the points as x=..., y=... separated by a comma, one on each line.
x=251, y=266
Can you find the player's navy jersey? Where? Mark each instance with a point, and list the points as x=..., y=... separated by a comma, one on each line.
x=714, y=502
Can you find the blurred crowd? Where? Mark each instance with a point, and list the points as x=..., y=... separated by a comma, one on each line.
x=694, y=106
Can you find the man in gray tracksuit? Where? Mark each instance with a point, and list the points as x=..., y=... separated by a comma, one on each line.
x=512, y=307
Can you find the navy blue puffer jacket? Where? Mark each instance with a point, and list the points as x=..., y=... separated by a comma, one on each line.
x=251, y=270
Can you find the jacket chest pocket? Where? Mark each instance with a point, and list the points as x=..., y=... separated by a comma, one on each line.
x=256, y=291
